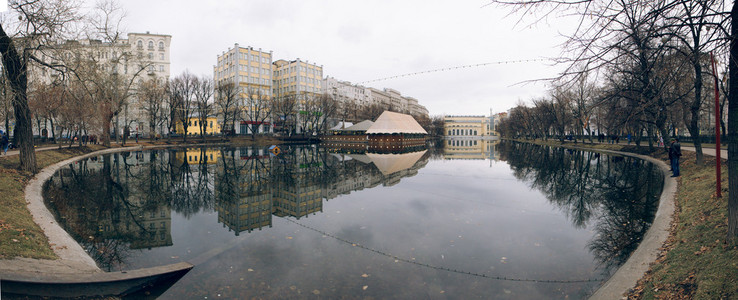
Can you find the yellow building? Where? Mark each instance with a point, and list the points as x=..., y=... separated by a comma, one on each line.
x=193, y=126
x=468, y=126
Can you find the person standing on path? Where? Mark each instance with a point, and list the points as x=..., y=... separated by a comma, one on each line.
x=4, y=142
x=675, y=151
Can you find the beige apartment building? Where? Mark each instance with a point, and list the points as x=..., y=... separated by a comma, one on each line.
x=297, y=77
x=251, y=71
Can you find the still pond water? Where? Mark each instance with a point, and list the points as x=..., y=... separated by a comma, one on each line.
x=458, y=220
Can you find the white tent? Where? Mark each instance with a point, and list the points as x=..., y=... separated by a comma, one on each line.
x=362, y=126
x=392, y=122
x=342, y=126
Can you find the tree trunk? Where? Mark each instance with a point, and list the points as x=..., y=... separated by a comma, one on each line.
x=733, y=129
x=694, y=124
x=53, y=132
x=15, y=68
x=107, y=119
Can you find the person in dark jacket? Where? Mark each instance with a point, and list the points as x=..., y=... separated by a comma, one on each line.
x=4, y=142
x=675, y=151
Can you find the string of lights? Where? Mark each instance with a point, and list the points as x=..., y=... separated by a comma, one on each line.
x=415, y=262
x=505, y=62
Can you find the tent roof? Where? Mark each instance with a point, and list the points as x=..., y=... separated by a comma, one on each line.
x=392, y=122
x=391, y=163
x=362, y=126
x=342, y=125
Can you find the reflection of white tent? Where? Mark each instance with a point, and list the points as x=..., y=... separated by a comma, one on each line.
x=342, y=125
x=341, y=157
x=361, y=157
x=392, y=122
x=391, y=163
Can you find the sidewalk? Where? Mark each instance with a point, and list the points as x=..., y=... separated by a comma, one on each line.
x=44, y=148
x=709, y=151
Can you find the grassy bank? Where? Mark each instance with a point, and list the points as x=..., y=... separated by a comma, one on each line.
x=20, y=236
x=695, y=262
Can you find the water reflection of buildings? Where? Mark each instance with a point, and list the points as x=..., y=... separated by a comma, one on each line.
x=471, y=149
x=197, y=155
x=296, y=183
x=114, y=202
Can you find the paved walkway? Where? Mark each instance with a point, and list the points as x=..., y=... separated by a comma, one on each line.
x=709, y=151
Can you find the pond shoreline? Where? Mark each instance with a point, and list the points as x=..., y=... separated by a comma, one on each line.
x=72, y=258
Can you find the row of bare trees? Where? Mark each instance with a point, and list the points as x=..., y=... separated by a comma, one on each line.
x=651, y=63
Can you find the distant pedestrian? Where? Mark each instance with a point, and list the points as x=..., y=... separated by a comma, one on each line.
x=4, y=142
x=629, y=137
x=675, y=151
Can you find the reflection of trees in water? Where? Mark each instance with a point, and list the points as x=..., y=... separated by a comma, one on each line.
x=618, y=195
x=118, y=202
x=97, y=200
x=192, y=185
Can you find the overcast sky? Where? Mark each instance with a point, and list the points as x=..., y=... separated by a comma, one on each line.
x=359, y=41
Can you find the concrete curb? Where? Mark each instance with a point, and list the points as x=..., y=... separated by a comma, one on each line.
x=627, y=276
x=62, y=243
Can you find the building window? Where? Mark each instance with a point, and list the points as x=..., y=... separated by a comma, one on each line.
x=140, y=45
x=161, y=68
x=161, y=56
x=151, y=45
x=161, y=46
x=151, y=56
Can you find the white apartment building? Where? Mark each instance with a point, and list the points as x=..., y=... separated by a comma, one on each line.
x=363, y=96
x=345, y=91
x=143, y=55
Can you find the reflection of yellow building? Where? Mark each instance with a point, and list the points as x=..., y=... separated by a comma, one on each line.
x=193, y=126
x=197, y=155
x=470, y=149
x=298, y=201
x=246, y=213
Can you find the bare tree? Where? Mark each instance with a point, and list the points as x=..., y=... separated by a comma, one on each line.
x=181, y=93
x=256, y=109
x=327, y=110
x=226, y=105
x=203, y=92
x=35, y=24
x=733, y=128
x=152, y=95
x=694, y=20
x=283, y=110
